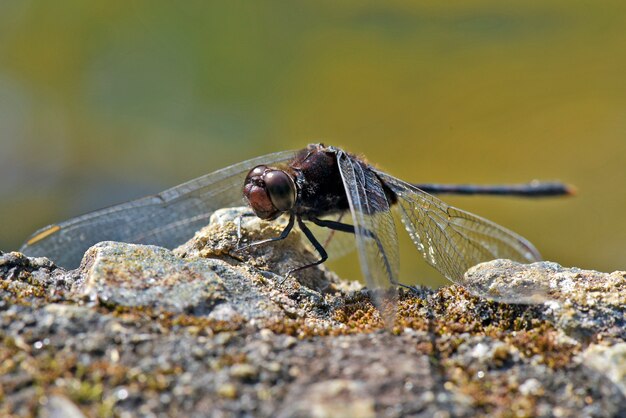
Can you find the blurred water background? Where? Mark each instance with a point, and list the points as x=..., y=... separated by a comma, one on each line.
x=104, y=101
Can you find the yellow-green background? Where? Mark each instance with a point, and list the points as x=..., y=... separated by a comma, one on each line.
x=103, y=101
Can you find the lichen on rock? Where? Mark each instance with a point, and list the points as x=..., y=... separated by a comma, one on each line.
x=208, y=329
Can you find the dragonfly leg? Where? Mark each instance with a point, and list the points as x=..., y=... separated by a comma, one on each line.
x=318, y=247
x=238, y=223
x=282, y=235
x=338, y=226
x=412, y=289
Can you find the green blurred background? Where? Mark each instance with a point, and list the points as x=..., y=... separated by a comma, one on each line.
x=105, y=101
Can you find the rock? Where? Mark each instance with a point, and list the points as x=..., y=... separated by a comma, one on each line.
x=219, y=240
x=129, y=275
x=211, y=330
x=59, y=407
x=208, y=276
x=583, y=303
x=36, y=280
x=333, y=398
x=134, y=276
x=608, y=360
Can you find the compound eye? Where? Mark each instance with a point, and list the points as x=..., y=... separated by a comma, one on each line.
x=281, y=189
x=256, y=171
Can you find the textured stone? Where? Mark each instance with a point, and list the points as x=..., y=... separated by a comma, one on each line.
x=213, y=330
x=583, y=303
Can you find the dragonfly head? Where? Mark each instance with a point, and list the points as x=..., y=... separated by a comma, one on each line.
x=269, y=191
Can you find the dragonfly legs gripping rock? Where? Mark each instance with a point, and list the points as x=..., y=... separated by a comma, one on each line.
x=283, y=235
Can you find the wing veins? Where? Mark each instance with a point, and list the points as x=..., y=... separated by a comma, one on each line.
x=461, y=239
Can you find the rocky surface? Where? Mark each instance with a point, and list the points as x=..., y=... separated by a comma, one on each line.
x=210, y=330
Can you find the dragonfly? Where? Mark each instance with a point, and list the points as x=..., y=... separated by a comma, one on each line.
x=316, y=185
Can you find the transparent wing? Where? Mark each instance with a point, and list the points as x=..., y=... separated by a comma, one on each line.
x=375, y=231
x=452, y=241
x=167, y=219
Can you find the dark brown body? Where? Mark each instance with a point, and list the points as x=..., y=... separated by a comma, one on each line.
x=318, y=180
x=320, y=186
